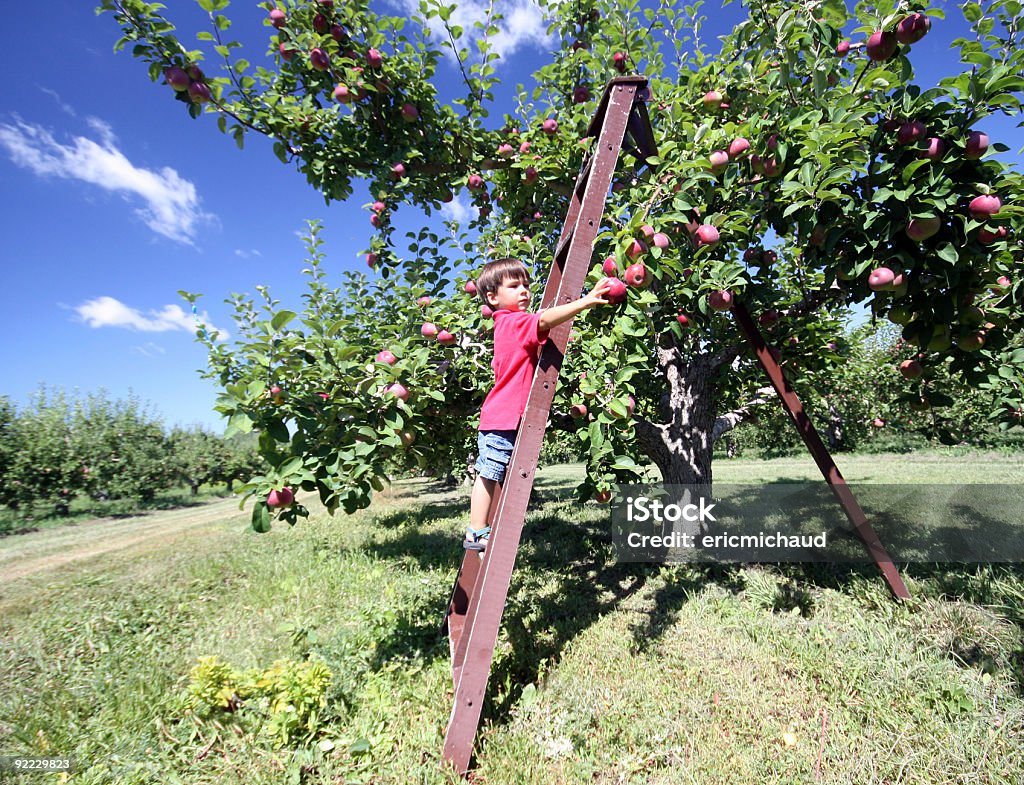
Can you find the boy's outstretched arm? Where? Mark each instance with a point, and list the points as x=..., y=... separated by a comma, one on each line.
x=552, y=317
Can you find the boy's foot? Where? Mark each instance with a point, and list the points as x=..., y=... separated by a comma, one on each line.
x=476, y=539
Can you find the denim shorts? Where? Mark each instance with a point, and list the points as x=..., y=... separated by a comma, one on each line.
x=495, y=450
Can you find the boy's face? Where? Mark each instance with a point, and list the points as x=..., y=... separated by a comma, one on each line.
x=512, y=295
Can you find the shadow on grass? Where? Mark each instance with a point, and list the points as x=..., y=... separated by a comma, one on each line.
x=566, y=579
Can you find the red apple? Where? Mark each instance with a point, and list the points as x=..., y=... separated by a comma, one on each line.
x=339, y=33
x=630, y=406
x=985, y=206
x=408, y=438
x=375, y=220
x=578, y=411
x=919, y=229
x=737, y=147
x=410, y=113
x=342, y=94
x=719, y=159
x=475, y=182
x=398, y=171
x=768, y=318
x=428, y=330
x=371, y=259
x=524, y=148
x=683, y=320
x=603, y=497
x=320, y=24
x=720, y=300
x=913, y=28
x=278, y=18
x=878, y=422
x=987, y=237
x=286, y=53
x=911, y=369
x=637, y=276
x=397, y=390
x=446, y=338
x=505, y=150
x=977, y=145
x=199, y=93
x=712, y=100
x=616, y=291
x=386, y=357
x=911, y=132
x=550, y=126
x=972, y=341
x=619, y=61
x=609, y=267
x=881, y=46
x=769, y=257
x=647, y=231
x=378, y=207
x=195, y=73
x=636, y=247
x=842, y=48
x=374, y=59
x=486, y=312
x=751, y=255
x=423, y=302
x=280, y=498
x=580, y=95
x=319, y=60
x=470, y=287
x=530, y=174
x=707, y=235
x=177, y=78
x=934, y=151
x=881, y=279
x=660, y=241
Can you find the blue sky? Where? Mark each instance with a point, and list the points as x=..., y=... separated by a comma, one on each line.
x=113, y=199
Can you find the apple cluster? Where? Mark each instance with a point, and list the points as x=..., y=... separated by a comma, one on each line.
x=189, y=83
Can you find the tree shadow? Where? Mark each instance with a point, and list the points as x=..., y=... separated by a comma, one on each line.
x=567, y=578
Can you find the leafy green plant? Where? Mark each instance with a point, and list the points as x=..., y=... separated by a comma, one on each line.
x=287, y=699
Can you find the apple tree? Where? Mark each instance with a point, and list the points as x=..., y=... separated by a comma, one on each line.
x=800, y=170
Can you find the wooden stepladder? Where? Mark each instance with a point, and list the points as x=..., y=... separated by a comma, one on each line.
x=478, y=599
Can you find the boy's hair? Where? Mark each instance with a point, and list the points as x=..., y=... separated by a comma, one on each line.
x=494, y=274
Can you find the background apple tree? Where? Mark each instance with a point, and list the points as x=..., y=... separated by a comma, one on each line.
x=800, y=169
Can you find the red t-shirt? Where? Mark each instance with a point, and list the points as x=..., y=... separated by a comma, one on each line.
x=516, y=343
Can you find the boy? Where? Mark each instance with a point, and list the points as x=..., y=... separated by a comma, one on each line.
x=504, y=285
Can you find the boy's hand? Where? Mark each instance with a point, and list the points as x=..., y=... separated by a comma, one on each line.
x=598, y=295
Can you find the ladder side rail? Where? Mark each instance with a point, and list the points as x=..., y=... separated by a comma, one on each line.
x=818, y=450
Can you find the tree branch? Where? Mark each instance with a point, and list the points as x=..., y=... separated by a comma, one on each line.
x=726, y=422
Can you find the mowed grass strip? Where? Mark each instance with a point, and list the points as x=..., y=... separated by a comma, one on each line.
x=604, y=672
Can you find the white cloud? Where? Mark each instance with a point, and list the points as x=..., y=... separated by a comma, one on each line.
x=64, y=107
x=172, y=206
x=455, y=210
x=244, y=254
x=150, y=349
x=110, y=312
x=523, y=24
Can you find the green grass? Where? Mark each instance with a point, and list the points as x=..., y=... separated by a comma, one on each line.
x=607, y=673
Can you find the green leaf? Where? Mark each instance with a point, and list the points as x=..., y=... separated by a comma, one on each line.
x=281, y=318
x=261, y=518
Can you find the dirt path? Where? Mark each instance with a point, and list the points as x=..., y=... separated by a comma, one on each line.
x=34, y=552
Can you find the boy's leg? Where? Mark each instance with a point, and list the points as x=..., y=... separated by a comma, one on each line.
x=480, y=502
